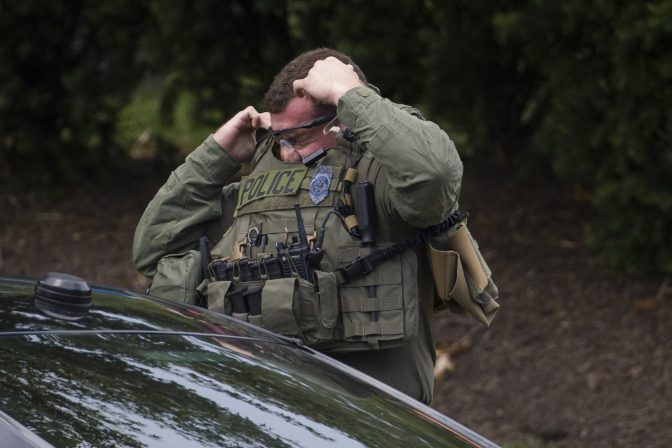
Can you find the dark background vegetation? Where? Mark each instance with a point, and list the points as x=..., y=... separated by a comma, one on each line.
x=560, y=110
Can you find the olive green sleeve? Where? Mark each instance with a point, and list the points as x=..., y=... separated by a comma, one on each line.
x=179, y=213
x=423, y=168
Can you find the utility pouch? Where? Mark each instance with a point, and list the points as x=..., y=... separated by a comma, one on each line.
x=272, y=304
x=325, y=315
x=379, y=309
x=290, y=306
x=177, y=278
x=334, y=317
x=319, y=311
x=280, y=300
x=461, y=275
x=217, y=291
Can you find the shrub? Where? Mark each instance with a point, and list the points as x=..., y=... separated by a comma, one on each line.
x=67, y=69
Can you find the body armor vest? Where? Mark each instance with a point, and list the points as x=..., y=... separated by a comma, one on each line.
x=377, y=310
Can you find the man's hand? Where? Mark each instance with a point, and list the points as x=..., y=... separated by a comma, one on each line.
x=236, y=136
x=327, y=81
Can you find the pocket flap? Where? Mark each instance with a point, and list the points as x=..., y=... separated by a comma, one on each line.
x=277, y=306
x=177, y=277
x=327, y=299
x=216, y=296
x=444, y=267
x=451, y=283
x=461, y=243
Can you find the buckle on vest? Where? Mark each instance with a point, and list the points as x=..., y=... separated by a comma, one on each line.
x=359, y=267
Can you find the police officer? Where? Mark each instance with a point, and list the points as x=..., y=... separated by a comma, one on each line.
x=319, y=103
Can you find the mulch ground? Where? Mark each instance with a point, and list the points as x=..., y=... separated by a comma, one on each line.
x=578, y=355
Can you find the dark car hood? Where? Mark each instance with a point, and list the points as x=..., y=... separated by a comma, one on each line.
x=141, y=372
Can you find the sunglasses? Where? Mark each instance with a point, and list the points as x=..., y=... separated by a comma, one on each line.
x=291, y=142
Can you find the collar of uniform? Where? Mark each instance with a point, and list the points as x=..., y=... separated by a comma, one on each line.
x=341, y=142
x=263, y=146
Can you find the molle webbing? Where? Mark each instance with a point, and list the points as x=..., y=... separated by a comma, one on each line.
x=323, y=313
x=367, y=304
x=369, y=328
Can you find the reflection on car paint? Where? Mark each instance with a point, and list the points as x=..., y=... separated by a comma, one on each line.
x=126, y=319
x=185, y=390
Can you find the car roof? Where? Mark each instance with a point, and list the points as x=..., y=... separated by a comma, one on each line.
x=141, y=371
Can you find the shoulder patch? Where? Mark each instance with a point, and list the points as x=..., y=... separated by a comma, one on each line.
x=282, y=182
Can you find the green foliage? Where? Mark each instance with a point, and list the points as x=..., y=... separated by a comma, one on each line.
x=375, y=35
x=607, y=84
x=585, y=86
x=67, y=68
x=476, y=77
x=140, y=122
x=223, y=54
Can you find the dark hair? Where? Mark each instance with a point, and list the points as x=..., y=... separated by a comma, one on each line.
x=281, y=90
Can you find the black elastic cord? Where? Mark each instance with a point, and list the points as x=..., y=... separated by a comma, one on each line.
x=363, y=265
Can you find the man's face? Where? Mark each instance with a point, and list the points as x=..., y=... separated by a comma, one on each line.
x=306, y=141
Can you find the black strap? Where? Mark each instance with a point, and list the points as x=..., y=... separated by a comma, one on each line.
x=361, y=266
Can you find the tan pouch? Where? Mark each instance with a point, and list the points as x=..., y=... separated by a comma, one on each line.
x=461, y=274
x=277, y=306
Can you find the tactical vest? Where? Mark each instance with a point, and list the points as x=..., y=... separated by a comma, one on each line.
x=381, y=309
x=378, y=310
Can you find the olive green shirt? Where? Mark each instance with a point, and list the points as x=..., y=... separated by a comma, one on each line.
x=423, y=176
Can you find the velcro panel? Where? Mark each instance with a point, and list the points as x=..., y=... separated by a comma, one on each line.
x=279, y=226
x=276, y=183
x=286, y=203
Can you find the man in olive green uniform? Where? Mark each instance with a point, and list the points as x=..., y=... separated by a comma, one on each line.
x=321, y=102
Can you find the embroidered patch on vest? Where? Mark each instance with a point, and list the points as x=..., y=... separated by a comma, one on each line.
x=282, y=182
x=319, y=186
